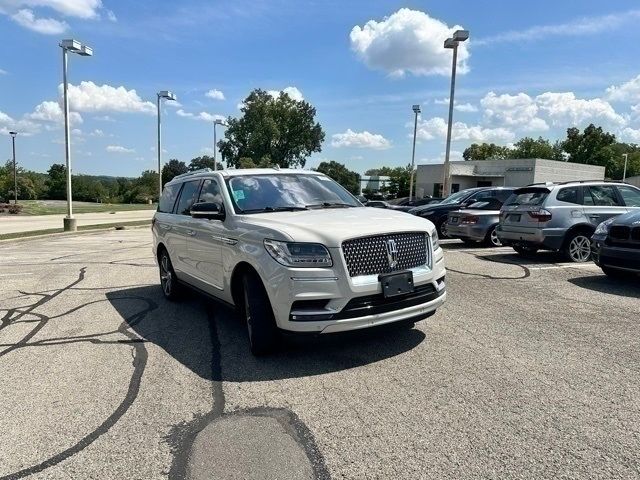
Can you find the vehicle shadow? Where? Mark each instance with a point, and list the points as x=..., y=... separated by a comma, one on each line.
x=602, y=284
x=197, y=331
x=539, y=258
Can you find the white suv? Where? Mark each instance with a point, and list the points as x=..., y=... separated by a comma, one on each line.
x=294, y=251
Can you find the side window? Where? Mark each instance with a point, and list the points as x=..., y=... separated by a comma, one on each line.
x=502, y=195
x=630, y=195
x=188, y=197
x=568, y=195
x=168, y=198
x=210, y=192
x=602, y=196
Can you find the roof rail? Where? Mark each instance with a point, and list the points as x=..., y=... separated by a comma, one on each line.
x=200, y=170
x=587, y=181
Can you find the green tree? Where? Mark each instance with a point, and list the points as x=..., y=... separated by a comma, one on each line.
x=528, y=147
x=57, y=182
x=593, y=146
x=280, y=130
x=205, y=161
x=172, y=169
x=341, y=174
x=485, y=151
x=399, y=178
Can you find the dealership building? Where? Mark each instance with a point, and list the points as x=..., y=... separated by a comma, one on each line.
x=509, y=173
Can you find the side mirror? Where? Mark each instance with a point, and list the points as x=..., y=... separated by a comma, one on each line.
x=208, y=210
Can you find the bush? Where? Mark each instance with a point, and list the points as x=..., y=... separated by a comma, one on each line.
x=14, y=209
x=4, y=207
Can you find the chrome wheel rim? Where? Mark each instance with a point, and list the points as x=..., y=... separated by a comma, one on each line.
x=580, y=249
x=494, y=238
x=247, y=314
x=443, y=230
x=166, y=279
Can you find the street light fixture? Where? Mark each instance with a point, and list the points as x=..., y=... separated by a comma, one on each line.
x=416, y=111
x=167, y=95
x=78, y=48
x=216, y=122
x=15, y=171
x=624, y=173
x=452, y=43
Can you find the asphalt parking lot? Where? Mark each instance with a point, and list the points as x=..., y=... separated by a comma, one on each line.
x=531, y=370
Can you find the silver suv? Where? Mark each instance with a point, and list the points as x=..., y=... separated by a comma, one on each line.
x=294, y=251
x=562, y=216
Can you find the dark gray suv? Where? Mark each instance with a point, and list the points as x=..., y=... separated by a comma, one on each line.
x=562, y=216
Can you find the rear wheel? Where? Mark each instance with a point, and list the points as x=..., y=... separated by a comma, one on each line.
x=168, y=280
x=578, y=247
x=525, y=250
x=442, y=228
x=492, y=240
x=261, y=324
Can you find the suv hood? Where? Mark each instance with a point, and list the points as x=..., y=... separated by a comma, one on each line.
x=631, y=219
x=331, y=226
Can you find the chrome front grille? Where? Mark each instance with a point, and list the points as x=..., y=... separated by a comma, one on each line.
x=385, y=253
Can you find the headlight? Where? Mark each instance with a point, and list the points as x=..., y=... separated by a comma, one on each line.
x=291, y=254
x=435, y=241
x=603, y=228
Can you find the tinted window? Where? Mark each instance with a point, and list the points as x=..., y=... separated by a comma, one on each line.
x=488, y=204
x=187, y=197
x=531, y=197
x=630, y=195
x=568, y=195
x=502, y=195
x=481, y=196
x=210, y=192
x=168, y=198
x=601, y=195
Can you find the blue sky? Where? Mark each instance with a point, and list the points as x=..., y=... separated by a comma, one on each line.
x=529, y=68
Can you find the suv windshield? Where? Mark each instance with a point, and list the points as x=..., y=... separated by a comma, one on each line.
x=455, y=198
x=532, y=197
x=287, y=191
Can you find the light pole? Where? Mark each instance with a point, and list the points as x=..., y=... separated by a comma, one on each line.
x=624, y=173
x=416, y=110
x=72, y=46
x=167, y=95
x=216, y=122
x=15, y=171
x=458, y=36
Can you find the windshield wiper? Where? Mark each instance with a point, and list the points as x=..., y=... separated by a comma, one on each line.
x=290, y=208
x=331, y=205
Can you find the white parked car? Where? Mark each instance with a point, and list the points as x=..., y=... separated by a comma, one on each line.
x=294, y=251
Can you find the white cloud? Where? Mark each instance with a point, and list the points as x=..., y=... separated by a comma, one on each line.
x=207, y=151
x=626, y=92
x=215, y=94
x=86, y=9
x=181, y=113
x=518, y=111
x=23, y=127
x=407, y=41
x=360, y=140
x=89, y=97
x=564, y=109
x=574, y=28
x=466, y=107
x=630, y=135
x=50, y=111
x=111, y=16
x=47, y=26
x=293, y=92
x=204, y=116
x=240, y=105
x=442, y=101
x=104, y=118
x=119, y=149
x=437, y=128
x=97, y=133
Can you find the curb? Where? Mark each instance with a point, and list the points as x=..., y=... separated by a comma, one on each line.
x=88, y=229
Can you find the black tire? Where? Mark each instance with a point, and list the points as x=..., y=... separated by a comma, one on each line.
x=469, y=242
x=617, y=274
x=441, y=225
x=171, y=289
x=258, y=314
x=492, y=240
x=525, y=251
x=577, y=247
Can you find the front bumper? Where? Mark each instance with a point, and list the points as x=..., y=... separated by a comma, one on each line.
x=627, y=259
x=545, y=238
x=329, y=300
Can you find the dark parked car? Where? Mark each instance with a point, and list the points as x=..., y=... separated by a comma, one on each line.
x=383, y=204
x=438, y=213
x=417, y=202
x=616, y=245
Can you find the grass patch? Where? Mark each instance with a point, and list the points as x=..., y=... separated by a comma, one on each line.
x=48, y=207
x=81, y=228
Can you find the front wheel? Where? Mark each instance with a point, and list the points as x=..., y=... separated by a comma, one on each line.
x=442, y=228
x=261, y=324
x=168, y=279
x=578, y=247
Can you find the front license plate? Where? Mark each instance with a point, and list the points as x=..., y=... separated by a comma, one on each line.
x=397, y=283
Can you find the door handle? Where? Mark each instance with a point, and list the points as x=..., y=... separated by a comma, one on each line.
x=191, y=233
x=593, y=217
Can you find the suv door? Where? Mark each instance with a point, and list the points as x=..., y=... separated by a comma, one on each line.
x=602, y=202
x=205, y=243
x=181, y=227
